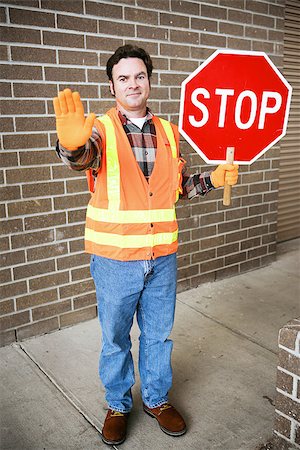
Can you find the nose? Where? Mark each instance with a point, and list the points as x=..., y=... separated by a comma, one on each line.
x=133, y=83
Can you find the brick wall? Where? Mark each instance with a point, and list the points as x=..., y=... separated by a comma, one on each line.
x=287, y=402
x=47, y=45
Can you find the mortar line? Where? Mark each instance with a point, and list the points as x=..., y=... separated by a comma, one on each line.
x=71, y=398
x=232, y=330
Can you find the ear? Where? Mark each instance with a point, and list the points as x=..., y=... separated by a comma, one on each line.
x=111, y=88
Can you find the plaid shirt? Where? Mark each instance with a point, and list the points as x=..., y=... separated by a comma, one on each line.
x=144, y=144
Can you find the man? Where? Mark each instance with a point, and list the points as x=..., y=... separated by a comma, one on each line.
x=131, y=232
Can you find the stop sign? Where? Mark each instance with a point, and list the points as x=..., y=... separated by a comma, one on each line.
x=234, y=99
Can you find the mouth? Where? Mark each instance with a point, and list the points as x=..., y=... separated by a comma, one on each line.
x=134, y=95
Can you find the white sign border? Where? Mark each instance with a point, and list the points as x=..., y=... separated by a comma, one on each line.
x=201, y=67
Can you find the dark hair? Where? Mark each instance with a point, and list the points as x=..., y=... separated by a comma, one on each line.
x=129, y=51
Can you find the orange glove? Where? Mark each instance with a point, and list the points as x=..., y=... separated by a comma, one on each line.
x=224, y=173
x=73, y=129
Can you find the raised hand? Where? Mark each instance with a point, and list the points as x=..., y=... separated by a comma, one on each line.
x=73, y=129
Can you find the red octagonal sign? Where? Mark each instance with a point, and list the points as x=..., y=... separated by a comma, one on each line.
x=234, y=99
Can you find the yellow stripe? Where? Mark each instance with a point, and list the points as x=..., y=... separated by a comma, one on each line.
x=131, y=216
x=170, y=135
x=113, y=166
x=130, y=241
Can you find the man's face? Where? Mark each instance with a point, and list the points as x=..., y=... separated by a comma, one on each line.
x=131, y=86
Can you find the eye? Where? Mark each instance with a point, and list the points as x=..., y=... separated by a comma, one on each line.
x=141, y=77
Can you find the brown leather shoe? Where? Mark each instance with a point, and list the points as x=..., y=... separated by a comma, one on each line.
x=170, y=421
x=114, y=428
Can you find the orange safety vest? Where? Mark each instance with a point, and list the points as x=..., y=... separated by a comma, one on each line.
x=127, y=217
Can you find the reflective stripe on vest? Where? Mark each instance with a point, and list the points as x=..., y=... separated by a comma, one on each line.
x=130, y=241
x=132, y=216
x=113, y=167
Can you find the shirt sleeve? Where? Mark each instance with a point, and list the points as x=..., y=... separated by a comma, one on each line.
x=86, y=157
x=196, y=184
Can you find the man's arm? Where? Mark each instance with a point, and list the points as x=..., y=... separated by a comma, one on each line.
x=86, y=157
x=202, y=183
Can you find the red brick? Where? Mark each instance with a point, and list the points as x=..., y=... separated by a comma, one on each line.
x=77, y=245
x=68, y=262
x=44, y=221
x=21, y=72
x=71, y=201
x=4, y=53
x=98, y=42
x=12, y=258
x=77, y=316
x=37, y=157
x=62, y=5
x=47, y=251
x=48, y=281
x=187, y=272
x=288, y=336
x=254, y=32
x=6, y=124
x=254, y=5
x=38, y=328
x=212, y=265
x=64, y=74
x=30, y=239
x=14, y=320
x=82, y=273
x=29, y=207
x=78, y=58
x=213, y=12
x=264, y=21
x=85, y=300
x=284, y=382
x=75, y=289
x=24, y=141
x=204, y=24
x=141, y=15
x=9, y=193
x=5, y=89
x=116, y=28
x=239, y=44
x=186, y=37
x=202, y=256
x=77, y=215
x=59, y=39
x=213, y=40
x=29, y=54
x=289, y=362
x=32, y=300
x=5, y=276
x=172, y=20
x=283, y=425
x=104, y=10
x=231, y=29
x=17, y=34
x=51, y=310
x=24, y=17
x=42, y=189
x=30, y=270
x=15, y=107
x=76, y=23
x=6, y=307
x=287, y=406
x=43, y=90
x=145, y=32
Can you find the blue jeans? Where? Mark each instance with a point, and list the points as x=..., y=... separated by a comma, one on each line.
x=149, y=289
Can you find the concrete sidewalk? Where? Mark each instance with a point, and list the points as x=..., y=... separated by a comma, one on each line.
x=224, y=361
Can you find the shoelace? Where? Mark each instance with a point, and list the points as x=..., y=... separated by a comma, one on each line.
x=116, y=414
x=163, y=408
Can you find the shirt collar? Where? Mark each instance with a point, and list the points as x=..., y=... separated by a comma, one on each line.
x=124, y=119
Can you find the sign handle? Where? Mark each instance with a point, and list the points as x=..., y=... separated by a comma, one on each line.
x=227, y=187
